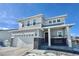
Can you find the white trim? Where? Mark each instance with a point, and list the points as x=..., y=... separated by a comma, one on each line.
x=49, y=37
x=64, y=25
x=65, y=15
x=30, y=18
x=55, y=21
x=68, y=37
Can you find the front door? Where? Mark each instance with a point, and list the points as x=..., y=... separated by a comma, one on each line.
x=46, y=37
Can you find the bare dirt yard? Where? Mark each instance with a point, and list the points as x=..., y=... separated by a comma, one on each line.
x=12, y=51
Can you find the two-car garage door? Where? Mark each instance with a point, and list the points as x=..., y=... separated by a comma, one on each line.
x=24, y=40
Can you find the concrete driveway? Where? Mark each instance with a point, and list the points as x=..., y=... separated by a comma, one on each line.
x=12, y=51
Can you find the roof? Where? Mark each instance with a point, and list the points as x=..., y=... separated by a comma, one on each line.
x=64, y=25
x=65, y=15
x=23, y=19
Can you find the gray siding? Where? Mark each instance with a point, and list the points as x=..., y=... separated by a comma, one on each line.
x=38, y=24
x=54, y=32
x=41, y=34
x=26, y=39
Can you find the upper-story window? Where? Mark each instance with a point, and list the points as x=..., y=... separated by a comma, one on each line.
x=34, y=22
x=54, y=21
x=50, y=21
x=28, y=24
x=35, y=34
x=22, y=24
x=58, y=20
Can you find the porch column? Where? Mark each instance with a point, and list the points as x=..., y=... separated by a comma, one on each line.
x=38, y=33
x=20, y=25
x=49, y=37
x=68, y=37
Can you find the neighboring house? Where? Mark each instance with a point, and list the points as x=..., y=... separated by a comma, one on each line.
x=76, y=41
x=34, y=29
x=4, y=37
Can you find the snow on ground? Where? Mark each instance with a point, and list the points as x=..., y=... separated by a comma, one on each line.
x=48, y=53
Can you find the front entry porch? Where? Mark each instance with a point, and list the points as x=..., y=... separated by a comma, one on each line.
x=58, y=36
x=55, y=41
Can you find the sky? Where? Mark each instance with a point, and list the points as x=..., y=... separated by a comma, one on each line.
x=9, y=13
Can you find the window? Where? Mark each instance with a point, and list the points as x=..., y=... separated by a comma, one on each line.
x=58, y=20
x=34, y=22
x=50, y=21
x=32, y=34
x=22, y=24
x=59, y=33
x=54, y=21
x=28, y=23
x=35, y=34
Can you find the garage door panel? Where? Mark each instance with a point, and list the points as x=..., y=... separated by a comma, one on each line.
x=24, y=41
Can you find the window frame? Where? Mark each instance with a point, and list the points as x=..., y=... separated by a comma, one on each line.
x=55, y=21
x=50, y=22
x=22, y=24
x=34, y=22
x=28, y=23
x=59, y=34
x=58, y=21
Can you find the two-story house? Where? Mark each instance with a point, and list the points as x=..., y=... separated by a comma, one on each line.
x=53, y=31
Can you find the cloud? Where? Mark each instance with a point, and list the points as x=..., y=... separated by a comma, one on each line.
x=3, y=28
x=10, y=22
x=7, y=19
x=74, y=34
